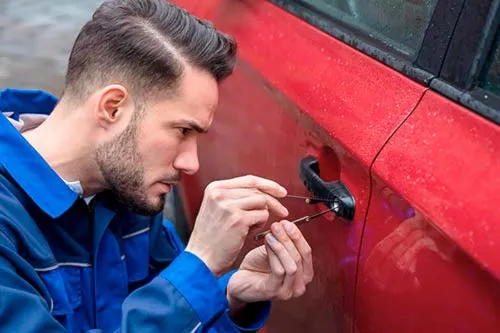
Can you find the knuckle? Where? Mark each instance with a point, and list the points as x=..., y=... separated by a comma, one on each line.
x=212, y=193
x=279, y=248
x=265, y=215
x=251, y=181
x=308, y=275
x=212, y=186
x=298, y=261
x=218, y=195
x=225, y=206
x=292, y=270
x=286, y=295
x=280, y=272
x=262, y=200
x=292, y=230
x=300, y=291
x=294, y=235
x=237, y=217
x=275, y=293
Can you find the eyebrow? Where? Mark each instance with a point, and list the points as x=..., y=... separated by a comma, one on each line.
x=197, y=127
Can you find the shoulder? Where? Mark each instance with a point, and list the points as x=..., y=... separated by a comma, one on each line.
x=14, y=203
x=18, y=228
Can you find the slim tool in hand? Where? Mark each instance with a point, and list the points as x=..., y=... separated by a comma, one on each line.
x=300, y=221
x=308, y=200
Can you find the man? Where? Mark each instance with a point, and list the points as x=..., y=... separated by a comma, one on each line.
x=82, y=244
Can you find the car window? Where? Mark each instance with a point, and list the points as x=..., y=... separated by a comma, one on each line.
x=491, y=80
x=400, y=24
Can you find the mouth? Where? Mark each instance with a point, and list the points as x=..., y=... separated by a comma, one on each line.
x=168, y=185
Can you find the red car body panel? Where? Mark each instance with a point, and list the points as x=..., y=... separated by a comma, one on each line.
x=429, y=259
x=290, y=97
x=296, y=92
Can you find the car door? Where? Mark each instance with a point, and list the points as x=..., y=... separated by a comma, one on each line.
x=430, y=255
x=317, y=92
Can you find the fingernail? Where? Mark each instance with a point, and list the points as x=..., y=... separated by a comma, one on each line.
x=284, y=211
x=284, y=191
x=271, y=239
x=289, y=227
x=277, y=229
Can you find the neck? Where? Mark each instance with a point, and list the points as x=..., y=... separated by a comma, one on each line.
x=65, y=142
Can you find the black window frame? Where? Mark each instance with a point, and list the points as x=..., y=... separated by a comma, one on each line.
x=466, y=59
x=430, y=57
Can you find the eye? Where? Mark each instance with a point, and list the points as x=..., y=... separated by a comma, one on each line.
x=185, y=130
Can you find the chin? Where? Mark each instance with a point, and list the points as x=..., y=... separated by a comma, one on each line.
x=150, y=208
x=156, y=205
x=147, y=211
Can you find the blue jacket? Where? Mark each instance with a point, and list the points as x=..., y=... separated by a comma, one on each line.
x=66, y=266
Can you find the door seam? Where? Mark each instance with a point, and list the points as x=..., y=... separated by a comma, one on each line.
x=370, y=171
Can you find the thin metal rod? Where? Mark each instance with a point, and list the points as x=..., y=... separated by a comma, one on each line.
x=309, y=199
x=298, y=222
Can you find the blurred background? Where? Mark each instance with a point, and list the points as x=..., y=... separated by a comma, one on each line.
x=35, y=40
x=36, y=37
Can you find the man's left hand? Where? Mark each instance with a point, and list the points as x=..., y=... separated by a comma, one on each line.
x=279, y=269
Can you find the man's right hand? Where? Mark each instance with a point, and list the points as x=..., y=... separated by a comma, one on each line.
x=228, y=211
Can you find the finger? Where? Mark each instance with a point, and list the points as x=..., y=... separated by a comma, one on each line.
x=261, y=201
x=262, y=184
x=282, y=235
x=303, y=248
x=255, y=218
x=288, y=264
x=238, y=193
x=277, y=270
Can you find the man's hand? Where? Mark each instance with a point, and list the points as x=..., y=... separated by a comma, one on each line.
x=279, y=269
x=229, y=209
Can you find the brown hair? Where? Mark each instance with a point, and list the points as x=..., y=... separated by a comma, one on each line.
x=145, y=45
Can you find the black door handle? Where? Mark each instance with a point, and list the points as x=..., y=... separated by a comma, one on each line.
x=340, y=198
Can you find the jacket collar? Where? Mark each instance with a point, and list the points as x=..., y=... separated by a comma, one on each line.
x=23, y=163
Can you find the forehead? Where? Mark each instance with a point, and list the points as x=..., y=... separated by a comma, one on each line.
x=197, y=98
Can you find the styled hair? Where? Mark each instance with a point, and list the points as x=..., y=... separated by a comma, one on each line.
x=145, y=45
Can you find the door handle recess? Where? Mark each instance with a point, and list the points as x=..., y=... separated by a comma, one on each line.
x=340, y=199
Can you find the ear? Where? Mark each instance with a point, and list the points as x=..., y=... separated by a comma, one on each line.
x=113, y=105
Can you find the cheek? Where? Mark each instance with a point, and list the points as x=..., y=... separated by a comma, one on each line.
x=159, y=151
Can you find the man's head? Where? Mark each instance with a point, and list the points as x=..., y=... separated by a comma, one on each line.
x=148, y=73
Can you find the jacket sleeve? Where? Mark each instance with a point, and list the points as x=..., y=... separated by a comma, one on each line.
x=185, y=297
x=251, y=319
x=200, y=299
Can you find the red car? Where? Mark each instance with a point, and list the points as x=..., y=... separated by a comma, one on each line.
x=390, y=108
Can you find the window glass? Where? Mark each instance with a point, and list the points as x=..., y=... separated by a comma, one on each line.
x=400, y=24
x=491, y=80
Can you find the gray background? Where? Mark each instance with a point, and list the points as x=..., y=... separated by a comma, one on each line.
x=35, y=40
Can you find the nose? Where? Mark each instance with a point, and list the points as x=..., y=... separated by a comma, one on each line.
x=187, y=159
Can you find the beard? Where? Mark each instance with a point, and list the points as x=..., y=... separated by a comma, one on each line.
x=122, y=168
